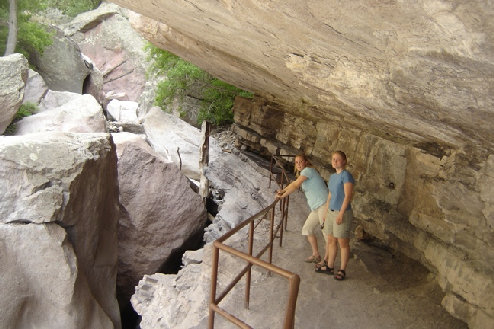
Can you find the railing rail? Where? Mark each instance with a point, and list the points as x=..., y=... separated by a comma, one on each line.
x=293, y=279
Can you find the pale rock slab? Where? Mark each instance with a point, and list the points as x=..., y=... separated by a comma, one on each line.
x=65, y=111
x=42, y=284
x=170, y=136
x=36, y=88
x=13, y=76
x=122, y=111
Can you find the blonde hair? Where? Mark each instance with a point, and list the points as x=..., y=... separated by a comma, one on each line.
x=306, y=159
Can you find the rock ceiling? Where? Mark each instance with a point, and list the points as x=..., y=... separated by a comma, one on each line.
x=418, y=71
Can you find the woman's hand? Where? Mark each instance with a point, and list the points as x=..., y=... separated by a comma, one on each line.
x=339, y=218
x=279, y=194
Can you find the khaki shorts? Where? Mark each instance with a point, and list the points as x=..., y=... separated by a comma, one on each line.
x=313, y=222
x=338, y=231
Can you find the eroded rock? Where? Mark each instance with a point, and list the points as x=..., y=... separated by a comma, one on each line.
x=58, y=222
x=159, y=211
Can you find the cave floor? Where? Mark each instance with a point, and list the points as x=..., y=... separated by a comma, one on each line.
x=380, y=291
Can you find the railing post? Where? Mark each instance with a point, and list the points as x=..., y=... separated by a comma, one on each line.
x=287, y=204
x=282, y=214
x=249, y=271
x=270, y=171
x=294, y=283
x=271, y=237
x=214, y=277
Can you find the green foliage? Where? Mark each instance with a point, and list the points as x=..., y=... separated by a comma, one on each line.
x=31, y=35
x=217, y=96
x=26, y=110
x=70, y=7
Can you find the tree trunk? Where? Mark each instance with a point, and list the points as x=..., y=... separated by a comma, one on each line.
x=12, y=38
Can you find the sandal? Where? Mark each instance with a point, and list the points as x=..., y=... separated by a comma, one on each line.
x=324, y=268
x=313, y=259
x=340, y=276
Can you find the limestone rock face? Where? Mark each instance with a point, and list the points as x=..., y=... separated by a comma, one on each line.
x=58, y=227
x=420, y=71
x=159, y=211
x=433, y=204
x=13, y=77
x=64, y=111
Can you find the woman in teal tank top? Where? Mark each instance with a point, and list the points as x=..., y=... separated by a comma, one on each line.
x=316, y=193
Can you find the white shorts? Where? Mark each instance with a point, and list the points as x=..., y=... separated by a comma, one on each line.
x=314, y=220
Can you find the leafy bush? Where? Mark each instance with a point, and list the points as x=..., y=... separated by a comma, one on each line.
x=26, y=110
x=217, y=96
x=70, y=7
x=31, y=35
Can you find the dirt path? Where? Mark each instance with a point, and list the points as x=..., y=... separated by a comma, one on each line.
x=379, y=292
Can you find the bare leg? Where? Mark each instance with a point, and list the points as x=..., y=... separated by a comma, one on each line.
x=313, y=243
x=345, y=251
x=331, y=250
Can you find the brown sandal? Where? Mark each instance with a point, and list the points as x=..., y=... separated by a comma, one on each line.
x=340, y=276
x=324, y=268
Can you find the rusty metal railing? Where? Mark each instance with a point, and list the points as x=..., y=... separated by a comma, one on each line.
x=277, y=160
x=293, y=279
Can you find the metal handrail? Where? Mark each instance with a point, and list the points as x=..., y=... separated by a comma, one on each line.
x=294, y=279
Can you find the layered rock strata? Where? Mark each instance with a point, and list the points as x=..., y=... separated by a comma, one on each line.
x=420, y=71
x=431, y=203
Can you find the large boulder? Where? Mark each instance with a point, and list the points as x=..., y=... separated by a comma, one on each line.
x=159, y=211
x=13, y=77
x=115, y=49
x=58, y=227
x=176, y=140
x=65, y=111
x=181, y=301
x=61, y=64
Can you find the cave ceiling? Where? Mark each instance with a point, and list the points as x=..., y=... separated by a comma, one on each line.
x=415, y=71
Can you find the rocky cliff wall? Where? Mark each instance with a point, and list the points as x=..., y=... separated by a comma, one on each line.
x=405, y=88
x=420, y=70
x=431, y=203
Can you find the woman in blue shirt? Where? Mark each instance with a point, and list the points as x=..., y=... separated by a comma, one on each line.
x=339, y=216
x=316, y=194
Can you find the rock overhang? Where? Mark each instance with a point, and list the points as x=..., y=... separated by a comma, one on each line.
x=418, y=72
